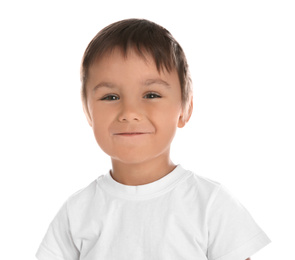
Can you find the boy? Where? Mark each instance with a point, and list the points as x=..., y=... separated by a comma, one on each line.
x=136, y=91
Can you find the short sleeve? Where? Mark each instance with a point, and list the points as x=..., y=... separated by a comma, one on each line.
x=233, y=234
x=58, y=243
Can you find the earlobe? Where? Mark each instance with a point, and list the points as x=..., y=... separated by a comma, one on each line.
x=186, y=114
x=181, y=121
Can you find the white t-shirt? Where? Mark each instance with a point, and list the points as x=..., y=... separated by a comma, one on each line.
x=181, y=216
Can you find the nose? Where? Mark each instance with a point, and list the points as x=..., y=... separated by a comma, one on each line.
x=130, y=111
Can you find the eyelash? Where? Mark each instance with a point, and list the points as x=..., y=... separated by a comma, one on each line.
x=112, y=97
x=152, y=94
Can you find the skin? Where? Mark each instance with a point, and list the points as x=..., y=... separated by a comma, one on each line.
x=134, y=112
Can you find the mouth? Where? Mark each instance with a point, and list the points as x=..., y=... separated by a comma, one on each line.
x=131, y=134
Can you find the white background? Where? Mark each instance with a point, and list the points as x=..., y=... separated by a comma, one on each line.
x=242, y=61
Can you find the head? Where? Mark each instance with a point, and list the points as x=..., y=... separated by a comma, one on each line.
x=144, y=37
x=136, y=89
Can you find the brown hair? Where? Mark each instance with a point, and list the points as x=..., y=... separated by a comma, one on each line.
x=141, y=35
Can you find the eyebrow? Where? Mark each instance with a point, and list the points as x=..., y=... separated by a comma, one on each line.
x=149, y=82
x=146, y=83
x=103, y=84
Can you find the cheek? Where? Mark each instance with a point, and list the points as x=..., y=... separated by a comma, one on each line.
x=167, y=121
x=100, y=116
x=100, y=128
x=168, y=115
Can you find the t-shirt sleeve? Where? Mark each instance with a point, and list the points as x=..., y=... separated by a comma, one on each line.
x=233, y=234
x=58, y=242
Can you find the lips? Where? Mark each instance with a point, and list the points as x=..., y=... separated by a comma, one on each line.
x=131, y=130
x=131, y=133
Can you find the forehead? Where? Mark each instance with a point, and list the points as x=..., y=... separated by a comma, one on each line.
x=118, y=57
x=116, y=66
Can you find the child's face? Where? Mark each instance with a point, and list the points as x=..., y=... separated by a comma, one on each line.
x=133, y=109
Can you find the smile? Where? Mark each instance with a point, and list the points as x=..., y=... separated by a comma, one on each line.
x=130, y=134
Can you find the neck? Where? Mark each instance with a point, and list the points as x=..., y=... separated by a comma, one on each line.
x=141, y=173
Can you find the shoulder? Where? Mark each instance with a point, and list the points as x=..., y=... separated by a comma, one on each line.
x=210, y=194
x=83, y=197
x=205, y=188
x=204, y=183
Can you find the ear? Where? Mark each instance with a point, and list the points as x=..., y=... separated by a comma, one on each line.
x=186, y=114
x=86, y=113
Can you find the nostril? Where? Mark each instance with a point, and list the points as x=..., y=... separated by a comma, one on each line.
x=129, y=113
x=127, y=119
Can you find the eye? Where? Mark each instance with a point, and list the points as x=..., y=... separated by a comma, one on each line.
x=110, y=97
x=152, y=95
